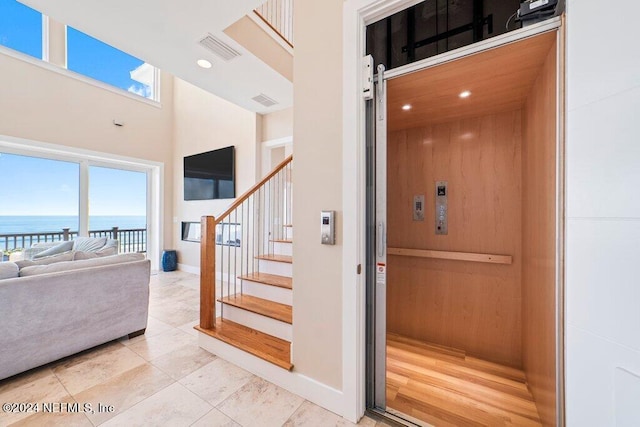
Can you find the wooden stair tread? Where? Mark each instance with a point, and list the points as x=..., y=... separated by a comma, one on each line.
x=282, y=240
x=278, y=258
x=269, y=279
x=264, y=346
x=267, y=308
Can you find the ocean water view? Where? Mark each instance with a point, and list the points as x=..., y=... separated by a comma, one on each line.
x=40, y=224
x=37, y=226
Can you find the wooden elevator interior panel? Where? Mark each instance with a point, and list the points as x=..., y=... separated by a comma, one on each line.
x=496, y=149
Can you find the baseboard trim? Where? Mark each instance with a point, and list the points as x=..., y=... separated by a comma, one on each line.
x=308, y=388
x=188, y=268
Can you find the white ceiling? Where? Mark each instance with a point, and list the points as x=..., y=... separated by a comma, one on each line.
x=165, y=33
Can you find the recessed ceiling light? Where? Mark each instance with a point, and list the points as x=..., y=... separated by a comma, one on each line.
x=204, y=63
x=465, y=94
x=406, y=107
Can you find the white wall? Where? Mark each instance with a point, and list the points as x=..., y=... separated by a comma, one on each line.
x=42, y=105
x=205, y=122
x=603, y=209
x=317, y=176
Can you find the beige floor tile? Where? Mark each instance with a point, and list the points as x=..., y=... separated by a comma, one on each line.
x=216, y=381
x=161, y=344
x=174, y=293
x=310, y=415
x=23, y=380
x=36, y=386
x=91, y=371
x=58, y=416
x=173, y=406
x=189, y=327
x=183, y=361
x=215, y=418
x=87, y=355
x=175, y=313
x=123, y=391
x=162, y=278
x=260, y=403
x=370, y=422
x=154, y=327
x=193, y=283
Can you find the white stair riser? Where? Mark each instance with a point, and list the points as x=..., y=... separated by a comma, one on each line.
x=268, y=292
x=259, y=322
x=281, y=248
x=276, y=267
x=288, y=232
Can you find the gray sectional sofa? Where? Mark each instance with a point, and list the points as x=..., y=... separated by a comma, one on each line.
x=48, y=312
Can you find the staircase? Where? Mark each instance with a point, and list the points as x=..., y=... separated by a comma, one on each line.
x=246, y=289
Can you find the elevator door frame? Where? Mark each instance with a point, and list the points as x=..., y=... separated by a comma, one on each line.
x=376, y=122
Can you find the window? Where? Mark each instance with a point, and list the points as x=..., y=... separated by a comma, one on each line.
x=45, y=198
x=20, y=28
x=118, y=198
x=40, y=199
x=93, y=58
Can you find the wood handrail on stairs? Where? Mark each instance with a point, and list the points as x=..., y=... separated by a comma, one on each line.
x=253, y=189
x=208, y=249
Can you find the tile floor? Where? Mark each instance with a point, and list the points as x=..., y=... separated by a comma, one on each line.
x=160, y=379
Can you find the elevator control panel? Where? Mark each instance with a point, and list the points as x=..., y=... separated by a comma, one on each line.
x=418, y=207
x=328, y=228
x=442, y=193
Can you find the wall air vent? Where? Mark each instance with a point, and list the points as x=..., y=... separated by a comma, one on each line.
x=220, y=48
x=264, y=100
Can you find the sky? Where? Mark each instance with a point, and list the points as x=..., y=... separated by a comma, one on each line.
x=32, y=186
x=21, y=29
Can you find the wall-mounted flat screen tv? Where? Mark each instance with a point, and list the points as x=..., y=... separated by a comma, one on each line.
x=210, y=175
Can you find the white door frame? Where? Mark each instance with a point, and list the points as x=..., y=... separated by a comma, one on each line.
x=357, y=14
x=265, y=152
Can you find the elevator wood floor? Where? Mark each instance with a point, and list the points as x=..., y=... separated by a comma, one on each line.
x=445, y=387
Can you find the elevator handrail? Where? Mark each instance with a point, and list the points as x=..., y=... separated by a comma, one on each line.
x=453, y=256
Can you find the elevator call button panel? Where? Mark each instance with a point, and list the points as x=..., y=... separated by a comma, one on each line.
x=328, y=227
x=418, y=207
x=441, y=193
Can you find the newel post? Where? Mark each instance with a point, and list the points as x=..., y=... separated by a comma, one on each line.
x=65, y=234
x=208, y=272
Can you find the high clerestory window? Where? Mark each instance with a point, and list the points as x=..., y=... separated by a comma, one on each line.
x=93, y=58
x=21, y=29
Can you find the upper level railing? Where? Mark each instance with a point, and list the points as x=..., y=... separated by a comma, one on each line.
x=131, y=240
x=278, y=14
x=231, y=243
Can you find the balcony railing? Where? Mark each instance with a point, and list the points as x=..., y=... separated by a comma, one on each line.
x=130, y=240
x=278, y=14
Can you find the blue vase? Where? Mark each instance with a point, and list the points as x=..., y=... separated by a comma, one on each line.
x=169, y=260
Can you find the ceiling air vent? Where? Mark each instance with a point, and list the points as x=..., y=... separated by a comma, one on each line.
x=264, y=100
x=219, y=47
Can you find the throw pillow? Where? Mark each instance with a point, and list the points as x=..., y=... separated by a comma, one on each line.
x=8, y=270
x=57, y=249
x=66, y=256
x=89, y=244
x=108, y=251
